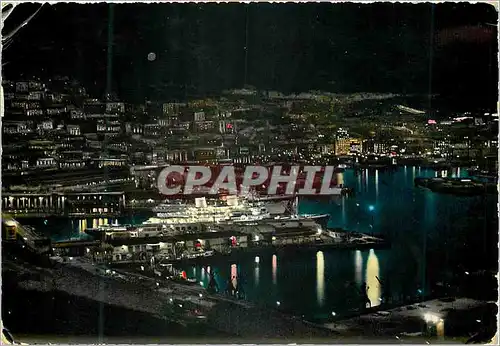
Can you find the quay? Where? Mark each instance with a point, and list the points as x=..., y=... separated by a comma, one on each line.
x=452, y=319
x=67, y=204
x=230, y=242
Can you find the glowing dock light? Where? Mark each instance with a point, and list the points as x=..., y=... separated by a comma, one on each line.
x=333, y=313
x=201, y=295
x=428, y=317
x=257, y=259
x=278, y=303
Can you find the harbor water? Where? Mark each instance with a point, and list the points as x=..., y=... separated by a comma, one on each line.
x=435, y=239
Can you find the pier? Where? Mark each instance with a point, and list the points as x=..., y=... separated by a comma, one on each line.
x=67, y=204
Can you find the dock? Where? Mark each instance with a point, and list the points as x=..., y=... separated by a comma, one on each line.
x=443, y=319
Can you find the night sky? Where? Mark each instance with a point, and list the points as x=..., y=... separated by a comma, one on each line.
x=291, y=47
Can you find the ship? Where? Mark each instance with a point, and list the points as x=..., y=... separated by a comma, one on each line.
x=178, y=217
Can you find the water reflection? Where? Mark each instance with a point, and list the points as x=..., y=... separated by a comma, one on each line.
x=234, y=274
x=96, y=222
x=320, y=277
x=372, y=275
x=82, y=225
x=358, y=267
x=440, y=329
x=344, y=215
x=340, y=178
x=376, y=183
x=429, y=212
x=275, y=268
x=256, y=274
x=430, y=208
x=366, y=180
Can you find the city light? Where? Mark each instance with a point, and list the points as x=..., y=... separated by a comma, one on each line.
x=432, y=318
x=148, y=165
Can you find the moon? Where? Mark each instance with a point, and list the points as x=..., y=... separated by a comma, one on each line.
x=151, y=56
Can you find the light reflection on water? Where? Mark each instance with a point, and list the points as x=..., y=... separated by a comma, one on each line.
x=320, y=278
x=401, y=208
x=275, y=269
x=234, y=275
x=298, y=289
x=372, y=273
x=344, y=215
x=358, y=267
x=256, y=275
x=82, y=225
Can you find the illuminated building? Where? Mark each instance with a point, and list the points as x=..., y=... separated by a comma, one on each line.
x=346, y=146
